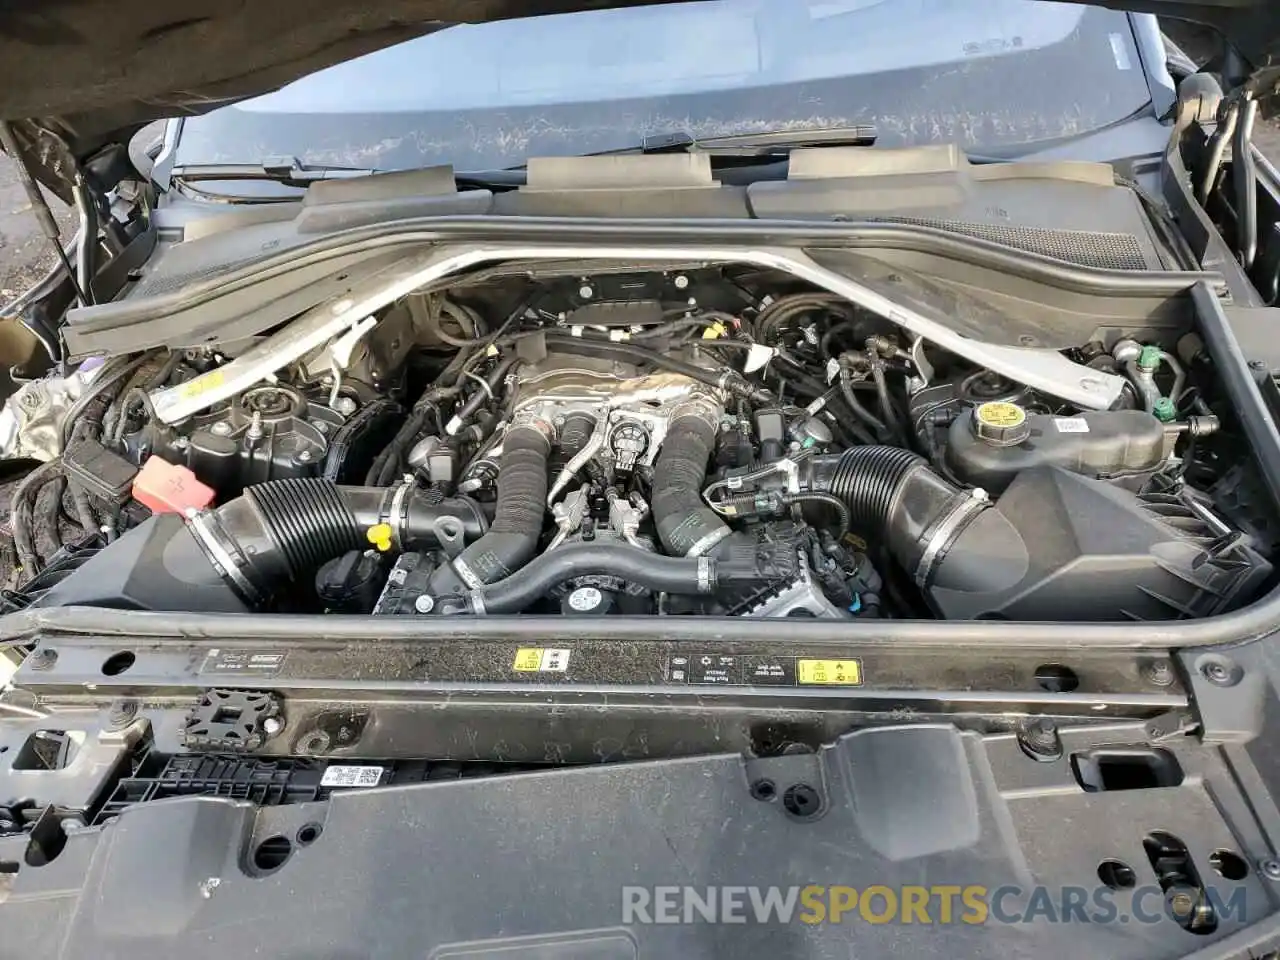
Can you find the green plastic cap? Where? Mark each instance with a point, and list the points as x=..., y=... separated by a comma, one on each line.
x=1164, y=410
x=1149, y=358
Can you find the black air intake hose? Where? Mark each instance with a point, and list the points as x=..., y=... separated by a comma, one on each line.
x=534, y=580
x=513, y=537
x=686, y=525
x=894, y=495
x=282, y=530
x=682, y=575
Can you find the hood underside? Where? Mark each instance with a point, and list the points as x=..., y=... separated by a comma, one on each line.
x=81, y=75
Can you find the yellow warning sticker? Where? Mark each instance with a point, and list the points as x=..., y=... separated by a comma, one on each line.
x=528, y=659
x=846, y=673
x=201, y=384
x=541, y=660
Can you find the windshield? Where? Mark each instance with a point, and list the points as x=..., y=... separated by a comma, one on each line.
x=982, y=73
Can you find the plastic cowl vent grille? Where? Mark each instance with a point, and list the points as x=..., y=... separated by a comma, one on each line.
x=1106, y=251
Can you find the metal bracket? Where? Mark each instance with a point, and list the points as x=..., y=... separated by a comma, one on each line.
x=1040, y=369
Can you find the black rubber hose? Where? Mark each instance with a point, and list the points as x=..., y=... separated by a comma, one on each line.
x=383, y=469
x=521, y=507
x=867, y=479
x=686, y=525
x=896, y=498
x=682, y=575
x=47, y=517
x=887, y=408
x=21, y=515
x=859, y=411
x=486, y=389
x=843, y=517
x=827, y=343
x=84, y=510
x=285, y=529
x=111, y=375
x=307, y=520
x=701, y=320
x=772, y=318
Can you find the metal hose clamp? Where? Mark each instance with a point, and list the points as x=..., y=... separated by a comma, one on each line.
x=965, y=509
x=203, y=525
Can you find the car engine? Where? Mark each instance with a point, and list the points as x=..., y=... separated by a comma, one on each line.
x=641, y=442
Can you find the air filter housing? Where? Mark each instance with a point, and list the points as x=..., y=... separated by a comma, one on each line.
x=1082, y=549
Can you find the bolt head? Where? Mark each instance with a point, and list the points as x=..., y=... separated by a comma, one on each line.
x=585, y=292
x=1160, y=673
x=680, y=281
x=304, y=456
x=424, y=603
x=272, y=726
x=1040, y=740
x=123, y=712
x=221, y=429
x=1270, y=869
x=1218, y=673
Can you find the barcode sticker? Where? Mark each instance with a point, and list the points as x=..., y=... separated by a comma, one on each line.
x=1071, y=424
x=351, y=775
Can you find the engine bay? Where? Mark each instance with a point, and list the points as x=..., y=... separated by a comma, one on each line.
x=714, y=441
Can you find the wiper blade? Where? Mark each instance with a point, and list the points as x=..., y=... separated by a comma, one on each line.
x=287, y=170
x=768, y=143
x=756, y=143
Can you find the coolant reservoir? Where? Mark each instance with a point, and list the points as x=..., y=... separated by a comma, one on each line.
x=988, y=445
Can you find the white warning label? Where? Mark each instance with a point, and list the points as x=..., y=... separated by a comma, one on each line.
x=351, y=775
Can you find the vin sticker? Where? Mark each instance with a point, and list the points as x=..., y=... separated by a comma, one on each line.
x=541, y=660
x=351, y=775
x=243, y=663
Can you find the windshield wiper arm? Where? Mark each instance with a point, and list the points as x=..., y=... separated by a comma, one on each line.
x=768, y=143
x=756, y=143
x=287, y=170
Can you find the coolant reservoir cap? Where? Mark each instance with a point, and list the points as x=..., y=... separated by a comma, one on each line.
x=1000, y=423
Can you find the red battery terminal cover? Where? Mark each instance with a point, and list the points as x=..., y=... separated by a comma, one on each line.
x=166, y=488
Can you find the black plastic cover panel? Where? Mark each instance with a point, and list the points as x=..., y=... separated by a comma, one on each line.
x=536, y=864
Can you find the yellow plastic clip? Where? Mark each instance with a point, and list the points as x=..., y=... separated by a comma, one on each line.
x=714, y=332
x=380, y=536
